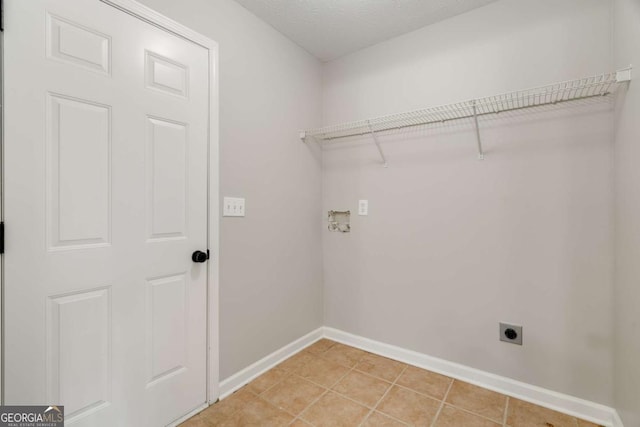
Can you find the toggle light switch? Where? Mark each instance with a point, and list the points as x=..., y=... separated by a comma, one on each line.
x=233, y=206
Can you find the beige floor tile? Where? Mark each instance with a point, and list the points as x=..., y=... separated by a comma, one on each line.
x=362, y=388
x=300, y=423
x=380, y=367
x=321, y=371
x=333, y=410
x=215, y=418
x=218, y=412
x=426, y=382
x=267, y=380
x=583, y=423
x=258, y=413
x=479, y=400
x=293, y=394
x=196, y=421
x=524, y=414
x=285, y=393
x=409, y=406
x=320, y=346
x=378, y=419
x=296, y=361
x=453, y=417
x=344, y=355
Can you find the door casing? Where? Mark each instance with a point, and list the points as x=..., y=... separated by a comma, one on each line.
x=152, y=17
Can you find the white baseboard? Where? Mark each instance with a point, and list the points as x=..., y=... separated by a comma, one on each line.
x=246, y=375
x=567, y=404
x=574, y=406
x=617, y=421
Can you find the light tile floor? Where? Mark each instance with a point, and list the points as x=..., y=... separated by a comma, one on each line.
x=330, y=384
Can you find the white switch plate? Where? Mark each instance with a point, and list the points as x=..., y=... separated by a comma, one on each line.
x=233, y=206
x=363, y=207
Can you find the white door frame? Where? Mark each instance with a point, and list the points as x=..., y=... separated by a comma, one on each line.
x=154, y=18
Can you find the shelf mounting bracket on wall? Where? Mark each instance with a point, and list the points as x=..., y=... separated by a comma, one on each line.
x=375, y=139
x=475, y=119
x=624, y=75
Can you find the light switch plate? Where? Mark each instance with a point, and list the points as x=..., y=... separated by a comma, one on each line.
x=233, y=206
x=363, y=207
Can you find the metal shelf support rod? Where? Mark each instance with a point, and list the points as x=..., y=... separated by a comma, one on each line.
x=375, y=139
x=475, y=119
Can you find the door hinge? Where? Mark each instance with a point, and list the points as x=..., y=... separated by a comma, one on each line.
x=1, y=237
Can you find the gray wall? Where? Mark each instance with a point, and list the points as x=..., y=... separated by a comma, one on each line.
x=270, y=261
x=453, y=245
x=627, y=158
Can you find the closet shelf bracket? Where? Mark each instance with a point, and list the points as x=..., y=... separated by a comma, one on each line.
x=375, y=140
x=475, y=120
x=623, y=75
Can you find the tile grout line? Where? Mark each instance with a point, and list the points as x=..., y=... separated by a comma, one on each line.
x=424, y=395
x=371, y=408
x=506, y=413
x=298, y=417
x=260, y=397
x=351, y=369
x=385, y=395
x=405, y=387
x=288, y=373
x=444, y=399
x=327, y=389
x=475, y=414
x=418, y=392
x=199, y=414
x=291, y=373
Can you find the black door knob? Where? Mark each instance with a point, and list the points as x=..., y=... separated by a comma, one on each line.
x=199, y=256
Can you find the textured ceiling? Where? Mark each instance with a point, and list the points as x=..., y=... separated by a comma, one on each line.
x=329, y=29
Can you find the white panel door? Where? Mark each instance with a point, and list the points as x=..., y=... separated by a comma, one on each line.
x=106, y=147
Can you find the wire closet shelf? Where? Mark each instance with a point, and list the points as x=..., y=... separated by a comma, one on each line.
x=566, y=91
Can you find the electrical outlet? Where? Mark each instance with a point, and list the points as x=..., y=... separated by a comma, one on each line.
x=511, y=333
x=233, y=206
x=363, y=207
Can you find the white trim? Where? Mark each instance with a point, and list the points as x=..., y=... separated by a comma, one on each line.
x=145, y=13
x=249, y=373
x=152, y=17
x=617, y=421
x=574, y=406
x=213, y=367
x=583, y=409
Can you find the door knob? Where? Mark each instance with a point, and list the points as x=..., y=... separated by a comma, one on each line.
x=199, y=256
